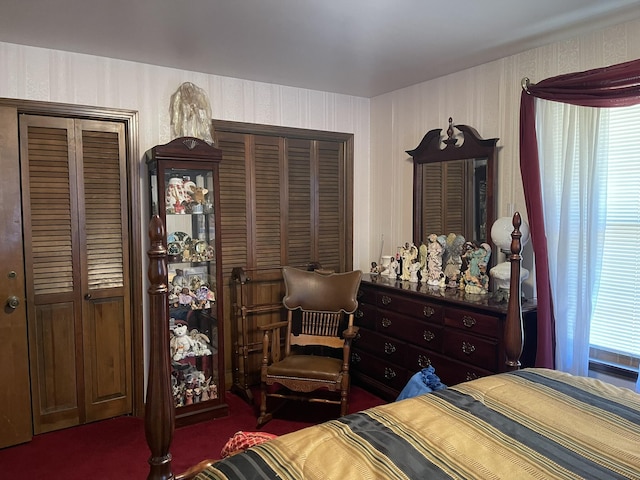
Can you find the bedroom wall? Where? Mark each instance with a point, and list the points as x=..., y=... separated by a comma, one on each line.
x=486, y=97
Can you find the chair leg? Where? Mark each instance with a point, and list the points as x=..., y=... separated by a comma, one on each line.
x=344, y=402
x=264, y=416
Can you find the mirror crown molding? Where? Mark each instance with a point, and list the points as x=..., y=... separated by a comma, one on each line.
x=473, y=145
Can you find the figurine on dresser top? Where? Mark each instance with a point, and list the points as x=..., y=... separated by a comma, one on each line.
x=435, y=275
x=392, y=270
x=408, y=253
x=475, y=278
x=453, y=259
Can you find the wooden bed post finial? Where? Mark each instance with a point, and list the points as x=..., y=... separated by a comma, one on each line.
x=514, y=332
x=159, y=422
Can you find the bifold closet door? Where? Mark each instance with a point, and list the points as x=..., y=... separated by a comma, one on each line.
x=75, y=213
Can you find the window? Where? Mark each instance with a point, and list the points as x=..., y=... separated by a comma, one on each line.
x=619, y=289
x=590, y=172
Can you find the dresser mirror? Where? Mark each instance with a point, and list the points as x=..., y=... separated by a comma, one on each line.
x=453, y=184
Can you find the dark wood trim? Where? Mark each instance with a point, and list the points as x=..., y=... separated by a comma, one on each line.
x=130, y=120
x=289, y=132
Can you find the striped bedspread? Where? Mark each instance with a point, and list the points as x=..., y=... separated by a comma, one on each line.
x=533, y=423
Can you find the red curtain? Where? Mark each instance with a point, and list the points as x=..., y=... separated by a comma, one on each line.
x=613, y=86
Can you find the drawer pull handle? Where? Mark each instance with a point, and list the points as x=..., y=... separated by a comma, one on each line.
x=359, y=313
x=386, y=323
x=389, y=348
x=355, y=358
x=386, y=300
x=389, y=373
x=428, y=311
x=468, y=348
x=357, y=337
x=423, y=361
x=471, y=376
x=468, y=321
x=428, y=335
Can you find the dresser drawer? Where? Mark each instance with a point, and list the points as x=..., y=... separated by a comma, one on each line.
x=384, y=371
x=419, y=358
x=366, y=295
x=454, y=372
x=424, y=310
x=450, y=371
x=381, y=346
x=418, y=332
x=471, y=349
x=476, y=323
x=365, y=316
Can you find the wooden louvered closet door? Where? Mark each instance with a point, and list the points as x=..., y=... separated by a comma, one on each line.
x=283, y=202
x=76, y=263
x=285, y=199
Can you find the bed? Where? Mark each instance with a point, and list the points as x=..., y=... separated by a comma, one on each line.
x=525, y=423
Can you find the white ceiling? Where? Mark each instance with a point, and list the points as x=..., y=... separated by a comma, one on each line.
x=355, y=47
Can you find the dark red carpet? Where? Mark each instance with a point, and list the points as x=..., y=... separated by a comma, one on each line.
x=117, y=449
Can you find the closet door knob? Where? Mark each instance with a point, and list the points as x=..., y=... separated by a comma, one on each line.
x=13, y=302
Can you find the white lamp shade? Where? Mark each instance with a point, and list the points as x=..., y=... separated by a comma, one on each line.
x=501, y=233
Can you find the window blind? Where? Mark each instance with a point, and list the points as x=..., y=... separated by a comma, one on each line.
x=615, y=324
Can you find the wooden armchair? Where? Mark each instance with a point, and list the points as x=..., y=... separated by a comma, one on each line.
x=320, y=309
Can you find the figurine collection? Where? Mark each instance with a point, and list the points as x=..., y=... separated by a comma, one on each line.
x=444, y=261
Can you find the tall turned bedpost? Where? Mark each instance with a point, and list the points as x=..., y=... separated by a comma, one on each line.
x=159, y=422
x=513, y=333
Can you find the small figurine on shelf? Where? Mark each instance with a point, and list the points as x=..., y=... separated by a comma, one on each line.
x=204, y=298
x=177, y=195
x=180, y=343
x=185, y=344
x=185, y=297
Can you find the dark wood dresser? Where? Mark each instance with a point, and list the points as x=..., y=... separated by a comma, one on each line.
x=405, y=327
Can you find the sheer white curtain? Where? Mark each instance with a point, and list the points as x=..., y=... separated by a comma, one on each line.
x=573, y=174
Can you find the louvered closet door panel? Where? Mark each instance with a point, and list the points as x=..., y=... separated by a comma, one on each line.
x=49, y=195
x=330, y=209
x=300, y=229
x=233, y=202
x=268, y=158
x=104, y=243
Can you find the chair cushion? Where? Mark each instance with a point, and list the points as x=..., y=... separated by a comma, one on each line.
x=307, y=366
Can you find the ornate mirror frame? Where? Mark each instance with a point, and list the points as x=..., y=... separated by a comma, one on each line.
x=446, y=183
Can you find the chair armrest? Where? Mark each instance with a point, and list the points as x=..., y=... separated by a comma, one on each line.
x=271, y=330
x=351, y=332
x=272, y=326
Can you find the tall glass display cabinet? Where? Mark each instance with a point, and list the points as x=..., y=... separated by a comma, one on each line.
x=184, y=190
